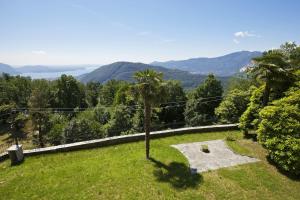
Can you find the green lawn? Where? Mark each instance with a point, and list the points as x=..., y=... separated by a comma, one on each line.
x=121, y=172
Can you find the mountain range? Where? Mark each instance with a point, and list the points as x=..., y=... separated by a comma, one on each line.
x=126, y=70
x=226, y=65
x=4, y=68
x=190, y=72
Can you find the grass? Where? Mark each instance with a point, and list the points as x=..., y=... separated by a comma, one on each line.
x=122, y=172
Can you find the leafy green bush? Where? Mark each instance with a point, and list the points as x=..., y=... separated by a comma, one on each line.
x=120, y=122
x=5, y=112
x=57, y=124
x=230, y=138
x=138, y=120
x=279, y=131
x=250, y=118
x=56, y=134
x=233, y=106
x=19, y=121
x=204, y=148
x=81, y=130
x=101, y=114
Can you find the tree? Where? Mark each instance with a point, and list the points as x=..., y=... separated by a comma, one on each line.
x=200, y=108
x=6, y=112
x=173, y=113
x=288, y=48
x=241, y=83
x=123, y=95
x=121, y=121
x=272, y=70
x=138, y=119
x=18, y=122
x=81, y=129
x=92, y=91
x=295, y=58
x=233, y=106
x=250, y=118
x=38, y=105
x=101, y=114
x=15, y=89
x=108, y=92
x=22, y=87
x=149, y=87
x=69, y=93
x=57, y=123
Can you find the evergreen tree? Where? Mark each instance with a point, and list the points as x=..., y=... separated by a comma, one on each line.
x=200, y=108
x=38, y=104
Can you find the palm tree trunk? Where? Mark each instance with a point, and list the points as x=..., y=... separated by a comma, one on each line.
x=147, y=118
x=266, y=94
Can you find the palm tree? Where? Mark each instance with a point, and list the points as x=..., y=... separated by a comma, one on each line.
x=150, y=88
x=272, y=69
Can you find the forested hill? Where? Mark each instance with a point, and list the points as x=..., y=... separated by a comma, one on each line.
x=226, y=65
x=125, y=71
x=4, y=68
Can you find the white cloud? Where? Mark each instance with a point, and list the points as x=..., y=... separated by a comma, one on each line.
x=238, y=36
x=243, y=34
x=39, y=52
x=236, y=41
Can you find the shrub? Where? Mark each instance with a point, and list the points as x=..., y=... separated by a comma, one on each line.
x=101, y=114
x=121, y=121
x=233, y=106
x=5, y=112
x=250, y=118
x=138, y=120
x=279, y=132
x=19, y=121
x=81, y=130
x=230, y=138
x=56, y=134
x=57, y=123
x=204, y=148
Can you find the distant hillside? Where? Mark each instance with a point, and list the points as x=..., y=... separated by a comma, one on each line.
x=125, y=71
x=222, y=66
x=4, y=68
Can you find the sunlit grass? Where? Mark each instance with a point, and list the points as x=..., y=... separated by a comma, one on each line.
x=122, y=172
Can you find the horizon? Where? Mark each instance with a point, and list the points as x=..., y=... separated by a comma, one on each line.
x=93, y=64
x=75, y=32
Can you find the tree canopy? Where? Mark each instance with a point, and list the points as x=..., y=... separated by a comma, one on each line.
x=200, y=108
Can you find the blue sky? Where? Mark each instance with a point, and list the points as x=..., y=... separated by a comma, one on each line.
x=104, y=31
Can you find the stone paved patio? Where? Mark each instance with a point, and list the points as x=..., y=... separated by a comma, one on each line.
x=220, y=156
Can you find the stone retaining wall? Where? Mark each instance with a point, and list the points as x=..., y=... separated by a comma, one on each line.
x=124, y=139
